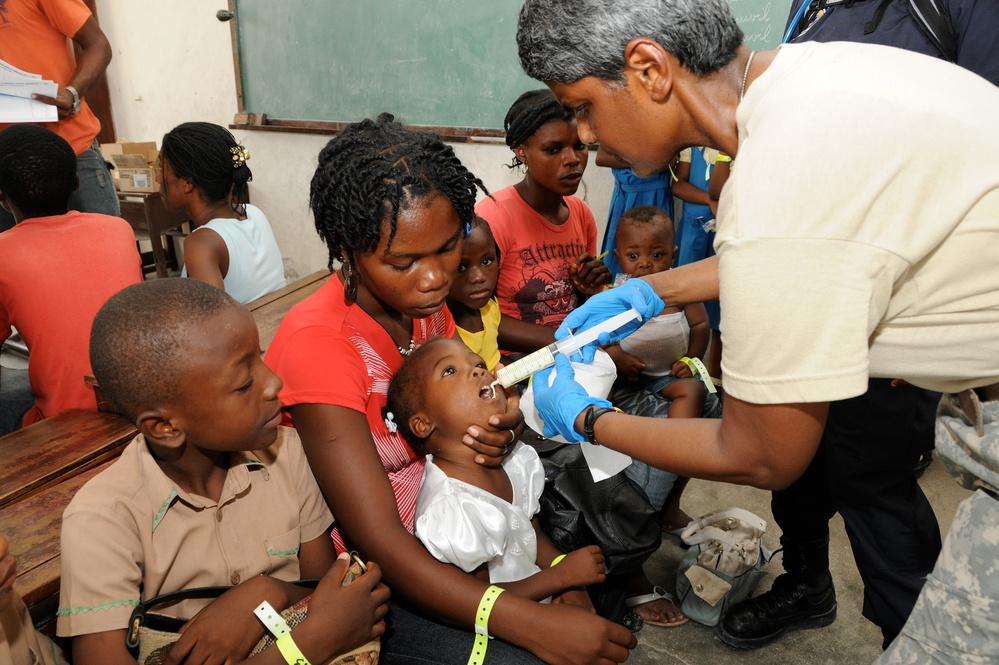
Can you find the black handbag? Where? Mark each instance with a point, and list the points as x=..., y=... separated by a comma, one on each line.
x=613, y=513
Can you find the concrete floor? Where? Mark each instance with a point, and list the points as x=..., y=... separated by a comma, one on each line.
x=851, y=639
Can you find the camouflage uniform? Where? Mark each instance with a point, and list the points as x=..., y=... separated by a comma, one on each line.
x=956, y=617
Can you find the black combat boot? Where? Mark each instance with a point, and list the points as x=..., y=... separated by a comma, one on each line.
x=803, y=597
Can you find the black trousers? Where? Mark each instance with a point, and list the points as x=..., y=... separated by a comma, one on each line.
x=864, y=470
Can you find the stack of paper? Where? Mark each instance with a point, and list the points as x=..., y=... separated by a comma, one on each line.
x=16, y=88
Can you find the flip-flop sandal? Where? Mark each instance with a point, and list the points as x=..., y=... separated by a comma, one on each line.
x=658, y=593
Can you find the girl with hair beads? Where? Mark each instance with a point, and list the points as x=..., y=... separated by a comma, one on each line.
x=203, y=173
x=547, y=237
x=481, y=519
x=392, y=205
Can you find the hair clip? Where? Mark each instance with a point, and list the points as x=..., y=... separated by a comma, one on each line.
x=240, y=155
x=468, y=229
x=390, y=423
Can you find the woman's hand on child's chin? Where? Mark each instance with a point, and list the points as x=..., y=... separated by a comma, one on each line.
x=493, y=445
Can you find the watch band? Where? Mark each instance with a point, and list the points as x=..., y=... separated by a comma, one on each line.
x=76, y=100
x=590, y=421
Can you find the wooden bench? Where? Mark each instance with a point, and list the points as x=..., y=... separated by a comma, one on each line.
x=34, y=525
x=44, y=465
x=57, y=448
x=269, y=310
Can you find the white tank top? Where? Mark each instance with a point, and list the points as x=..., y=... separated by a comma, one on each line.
x=255, y=266
x=659, y=343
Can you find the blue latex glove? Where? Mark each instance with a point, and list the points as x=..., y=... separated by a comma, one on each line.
x=635, y=293
x=561, y=403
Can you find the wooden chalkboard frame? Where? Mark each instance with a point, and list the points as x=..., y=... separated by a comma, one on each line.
x=260, y=122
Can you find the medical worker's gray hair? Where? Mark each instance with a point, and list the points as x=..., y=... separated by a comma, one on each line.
x=563, y=41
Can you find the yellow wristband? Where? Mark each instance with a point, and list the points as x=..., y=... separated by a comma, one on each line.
x=556, y=560
x=292, y=654
x=698, y=369
x=482, y=625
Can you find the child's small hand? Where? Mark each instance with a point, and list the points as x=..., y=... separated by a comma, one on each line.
x=589, y=275
x=681, y=370
x=348, y=616
x=629, y=367
x=582, y=568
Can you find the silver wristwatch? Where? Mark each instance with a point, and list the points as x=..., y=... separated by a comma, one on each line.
x=76, y=100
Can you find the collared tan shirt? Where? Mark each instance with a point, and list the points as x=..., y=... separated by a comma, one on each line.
x=131, y=533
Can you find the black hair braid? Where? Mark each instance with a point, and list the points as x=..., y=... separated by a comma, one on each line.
x=37, y=170
x=203, y=153
x=531, y=110
x=373, y=168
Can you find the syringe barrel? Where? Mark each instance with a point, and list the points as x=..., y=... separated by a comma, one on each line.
x=518, y=371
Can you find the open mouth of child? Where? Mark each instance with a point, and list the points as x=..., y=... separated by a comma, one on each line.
x=488, y=391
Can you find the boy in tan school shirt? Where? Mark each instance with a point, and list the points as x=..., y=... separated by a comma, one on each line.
x=211, y=492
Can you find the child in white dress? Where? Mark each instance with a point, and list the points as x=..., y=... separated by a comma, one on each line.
x=481, y=519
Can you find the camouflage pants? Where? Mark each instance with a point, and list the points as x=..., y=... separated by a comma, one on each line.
x=956, y=617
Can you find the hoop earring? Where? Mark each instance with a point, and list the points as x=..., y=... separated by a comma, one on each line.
x=349, y=284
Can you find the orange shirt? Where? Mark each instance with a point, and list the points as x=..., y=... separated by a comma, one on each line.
x=535, y=255
x=34, y=36
x=55, y=274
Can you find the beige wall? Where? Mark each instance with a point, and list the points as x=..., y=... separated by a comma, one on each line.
x=173, y=63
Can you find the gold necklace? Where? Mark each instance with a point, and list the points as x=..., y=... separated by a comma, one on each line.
x=745, y=75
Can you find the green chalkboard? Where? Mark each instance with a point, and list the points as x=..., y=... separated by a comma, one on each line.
x=439, y=63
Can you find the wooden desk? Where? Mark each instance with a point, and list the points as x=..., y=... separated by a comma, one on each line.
x=57, y=448
x=34, y=525
x=145, y=212
x=269, y=310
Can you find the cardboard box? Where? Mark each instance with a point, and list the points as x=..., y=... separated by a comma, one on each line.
x=133, y=165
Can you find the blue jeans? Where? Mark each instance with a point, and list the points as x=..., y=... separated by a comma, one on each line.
x=416, y=640
x=656, y=483
x=96, y=192
x=15, y=398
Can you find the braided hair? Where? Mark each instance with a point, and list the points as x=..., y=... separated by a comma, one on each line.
x=531, y=110
x=209, y=156
x=37, y=170
x=371, y=170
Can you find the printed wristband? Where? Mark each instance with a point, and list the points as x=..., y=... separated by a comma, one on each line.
x=557, y=560
x=482, y=625
x=272, y=620
x=698, y=369
x=279, y=628
x=292, y=654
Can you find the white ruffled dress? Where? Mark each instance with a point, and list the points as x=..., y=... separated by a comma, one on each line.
x=467, y=526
